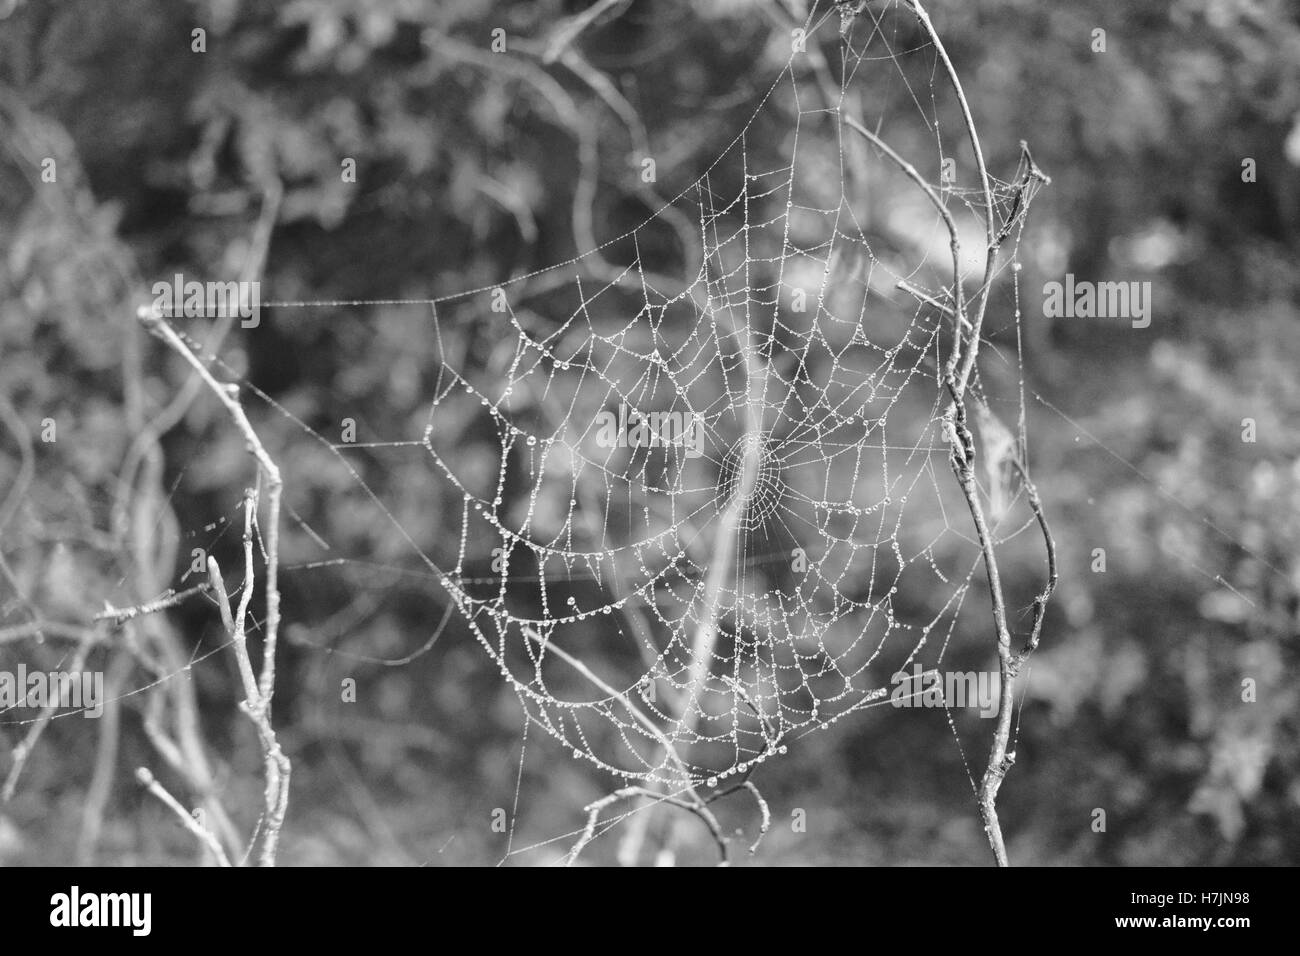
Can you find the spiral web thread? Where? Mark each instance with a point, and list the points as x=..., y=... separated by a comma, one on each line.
x=676, y=608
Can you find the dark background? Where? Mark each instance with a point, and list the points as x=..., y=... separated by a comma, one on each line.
x=167, y=158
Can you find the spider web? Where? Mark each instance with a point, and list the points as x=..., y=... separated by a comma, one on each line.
x=692, y=489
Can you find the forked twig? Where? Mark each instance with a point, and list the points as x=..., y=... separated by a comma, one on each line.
x=228, y=395
x=954, y=241
x=258, y=691
x=959, y=368
x=569, y=30
x=624, y=793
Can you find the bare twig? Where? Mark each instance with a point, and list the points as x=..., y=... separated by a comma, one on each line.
x=100, y=790
x=1024, y=188
x=962, y=460
x=148, y=433
x=569, y=30
x=766, y=823
x=959, y=368
x=624, y=793
x=929, y=300
x=203, y=834
x=692, y=802
x=636, y=712
x=720, y=564
x=276, y=765
x=1040, y=602
x=257, y=690
x=27, y=461
x=121, y=615
x=944, y=212
x=28, y=743
x=228, y=395
x=991, y=256
x=60, y=629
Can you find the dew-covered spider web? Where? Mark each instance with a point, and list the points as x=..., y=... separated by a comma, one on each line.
x=690, y=491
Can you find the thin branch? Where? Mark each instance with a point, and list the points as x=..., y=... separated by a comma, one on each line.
x=100, y=789
x=695, y=804
x=594, y=811
x=959, y=368
x=1040, y=601
x=202, y=833
x=929, y=300
x=25, y=747
x=275, y=764
x=1019, y=203
x=954, y=242
x=27, y=460
x=228, y=395
x=148, y=433
x=766, y=822
x=257, y=692
x=114, y=616
x=120, y=616
x=636, y=712
x=962, y=460
x=569, y=30
x=991, y=256
x=59, y=629
x=183, y=752
x=235, y=627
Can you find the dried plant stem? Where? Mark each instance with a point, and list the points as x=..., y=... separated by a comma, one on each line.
x=957, y=375
x=204, y=835
x=228, y=395
x=691, y=801
x=170, y=599
x=28, y=743
x=624, y=793
x=945, y=213
x=258, y=690
x=991, y=254
x=276, y=766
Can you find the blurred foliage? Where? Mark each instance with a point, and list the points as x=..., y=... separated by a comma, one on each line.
x=468, y=170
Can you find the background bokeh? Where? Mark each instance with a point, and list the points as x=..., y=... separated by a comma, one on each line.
x=168, y=161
